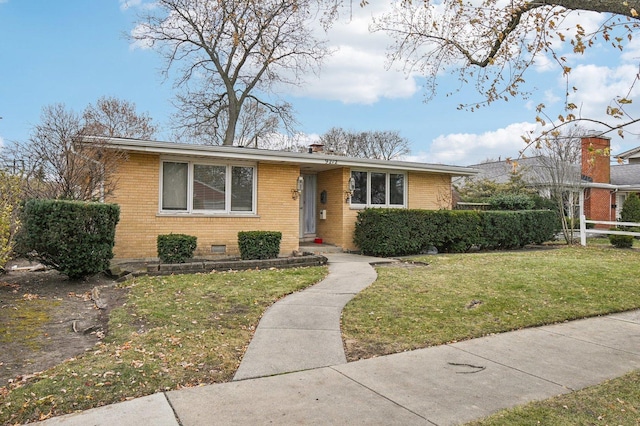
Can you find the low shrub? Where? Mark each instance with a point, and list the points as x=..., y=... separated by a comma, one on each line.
x=76, y=238
x=397, y=232
x=512, y=202
x=259, y=244
x=176, y=248
x=620, y=241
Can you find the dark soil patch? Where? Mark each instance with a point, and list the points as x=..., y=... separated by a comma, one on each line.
x=45, y=318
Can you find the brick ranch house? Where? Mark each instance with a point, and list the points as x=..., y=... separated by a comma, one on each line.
x=213, y=192
x=605, y=186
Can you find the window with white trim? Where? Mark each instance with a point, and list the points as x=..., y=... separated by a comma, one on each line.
x=199, y=187
x=378, y=189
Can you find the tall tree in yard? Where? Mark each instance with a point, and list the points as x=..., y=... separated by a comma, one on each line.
x=232, y=54
x=492, y=43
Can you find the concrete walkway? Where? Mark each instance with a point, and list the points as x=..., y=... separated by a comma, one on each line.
x=302, y=331
x=443, y=385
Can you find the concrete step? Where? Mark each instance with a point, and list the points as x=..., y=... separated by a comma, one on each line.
x=311, y=247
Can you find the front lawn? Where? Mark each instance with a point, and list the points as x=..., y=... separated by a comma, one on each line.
x=173, y=332
x=462, y=296
x=456, y=297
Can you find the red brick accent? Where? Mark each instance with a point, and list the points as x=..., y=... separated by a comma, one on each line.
x=596, y=166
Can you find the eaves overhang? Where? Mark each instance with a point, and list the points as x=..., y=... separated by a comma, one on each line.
x=314, y=161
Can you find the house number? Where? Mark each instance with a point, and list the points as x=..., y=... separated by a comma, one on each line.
x=330, y=161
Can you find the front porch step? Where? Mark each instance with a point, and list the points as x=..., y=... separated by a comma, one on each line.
x=310, y=247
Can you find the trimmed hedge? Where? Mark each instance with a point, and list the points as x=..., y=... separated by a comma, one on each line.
x=398, y=232
x=176, y=248
x=620, y=241
x=76, y=238
x=259, y=244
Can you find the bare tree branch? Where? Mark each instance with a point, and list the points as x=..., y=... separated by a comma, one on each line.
x=231, y=51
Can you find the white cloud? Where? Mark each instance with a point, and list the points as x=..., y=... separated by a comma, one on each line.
x=139, y=4
x=469, y=148
x=599, y=85
x=353, y=75
x=128, y=4
x=357, y=71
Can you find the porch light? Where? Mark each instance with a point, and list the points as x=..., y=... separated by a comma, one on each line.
x=295, y=193
x=348, y=193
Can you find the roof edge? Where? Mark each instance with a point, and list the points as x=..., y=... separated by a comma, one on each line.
x=255, y=154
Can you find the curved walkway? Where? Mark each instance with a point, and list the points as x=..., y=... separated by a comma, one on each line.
x=302, y=331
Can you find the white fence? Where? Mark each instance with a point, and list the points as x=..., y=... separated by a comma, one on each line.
x=584, y=231
x=583, y=225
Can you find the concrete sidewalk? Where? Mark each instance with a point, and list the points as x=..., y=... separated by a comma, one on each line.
x=302, y=331
x=443, y=385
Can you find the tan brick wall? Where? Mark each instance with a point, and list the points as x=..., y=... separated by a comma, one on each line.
x=429, y=191
x=338, y=227
x=138, y=191
x=140, y=224
x=424, y=191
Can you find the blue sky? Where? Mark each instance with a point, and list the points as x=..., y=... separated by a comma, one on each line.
x=75, y=51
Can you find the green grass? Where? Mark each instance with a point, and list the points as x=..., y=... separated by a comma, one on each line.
x=458, y=297
x=464, y=296
x=615, y=402
x=173, y=332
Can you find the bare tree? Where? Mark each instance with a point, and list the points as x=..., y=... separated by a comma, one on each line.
x=232, y=52
x=57, y=162
x=256, y=123
x=384, y=145
x=492, y=43
x=116, y=117
x=560, y=170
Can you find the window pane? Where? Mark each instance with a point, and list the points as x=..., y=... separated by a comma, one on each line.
x=378, y=188
x=396, y=189
x=360, y=190
x=174, y=186
x=242, y=189
x=208, y=187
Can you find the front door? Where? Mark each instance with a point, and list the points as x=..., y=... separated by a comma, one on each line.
x=308, y=208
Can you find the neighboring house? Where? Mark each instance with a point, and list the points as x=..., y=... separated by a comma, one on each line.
x=213, y=192
x=605, y=186
x=625, y=177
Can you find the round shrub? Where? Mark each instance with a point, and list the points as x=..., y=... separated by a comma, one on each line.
x=621, y=241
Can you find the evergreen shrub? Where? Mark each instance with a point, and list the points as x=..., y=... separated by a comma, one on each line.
x=259, y=244
x=620, y=241
x=397, y=232
x=74, y=237
x=176, y=248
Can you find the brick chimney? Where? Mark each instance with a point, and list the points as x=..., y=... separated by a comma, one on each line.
x=596, y=158
x=316, y=147
x=596, y=168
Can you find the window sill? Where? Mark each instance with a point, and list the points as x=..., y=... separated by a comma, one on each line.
x=376, y=206
x=196, y=215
